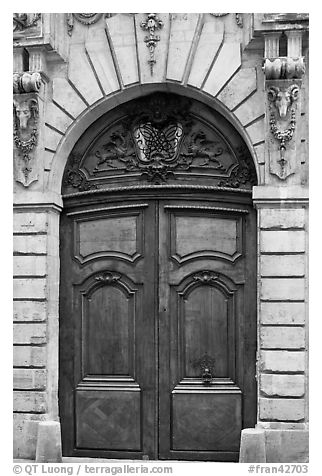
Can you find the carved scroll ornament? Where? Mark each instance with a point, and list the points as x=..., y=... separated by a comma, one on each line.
x=26, y=82
x=25, y=133
x=284, y=68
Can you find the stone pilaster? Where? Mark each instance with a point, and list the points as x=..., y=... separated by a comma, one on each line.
x=282, y=301
x=35, y=317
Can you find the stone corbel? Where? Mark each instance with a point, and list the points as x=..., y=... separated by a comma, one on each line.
x=282, y=117
x=25, y=137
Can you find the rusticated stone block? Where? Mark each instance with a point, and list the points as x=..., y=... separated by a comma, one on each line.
x=29, y=265
x=26, y=401
x=34, y=288
x=30, y=222
x=282, y=241
x=282, y=361
x=282, y=337
x=29, y=356
x=282, y=385
x=280, y=313
x=286, y=289
x=287, y=265
x=282, y=218
x=23, y=244
x=26, y=379
x=282, y=409
x=29, y=311
x=30, y=333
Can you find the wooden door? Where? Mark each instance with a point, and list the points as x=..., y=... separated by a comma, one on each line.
x=108, y=376
x=207, y=328
x=158, y=328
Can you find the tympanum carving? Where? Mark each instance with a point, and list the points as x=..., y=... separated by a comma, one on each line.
x=159, y=139
x=25, y=134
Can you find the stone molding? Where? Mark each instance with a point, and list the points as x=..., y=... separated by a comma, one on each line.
x=268, y=196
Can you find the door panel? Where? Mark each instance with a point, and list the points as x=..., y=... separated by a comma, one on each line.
x=202, y=290
x=158, y=328
x=108, y=378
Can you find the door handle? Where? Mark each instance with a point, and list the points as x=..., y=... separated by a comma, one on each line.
x=206, y=365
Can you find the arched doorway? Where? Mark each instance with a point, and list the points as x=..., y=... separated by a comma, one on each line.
x=158, y=285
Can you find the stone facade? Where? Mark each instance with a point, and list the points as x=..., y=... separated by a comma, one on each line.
x=68, y=71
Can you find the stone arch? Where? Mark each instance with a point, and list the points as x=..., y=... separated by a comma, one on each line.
x=92, y=113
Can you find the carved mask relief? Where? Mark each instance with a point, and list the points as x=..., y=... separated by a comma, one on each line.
x=158, y=139
x=25, y=134
x=282, y=106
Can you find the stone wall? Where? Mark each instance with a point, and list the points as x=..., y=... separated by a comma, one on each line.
x=85, y=71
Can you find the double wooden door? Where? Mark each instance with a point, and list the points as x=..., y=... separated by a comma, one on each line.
x=157, y=328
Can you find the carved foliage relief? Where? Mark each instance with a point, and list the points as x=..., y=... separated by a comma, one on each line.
x=158, y=139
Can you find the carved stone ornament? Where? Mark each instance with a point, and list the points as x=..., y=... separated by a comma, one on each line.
x=151, y=24
x=26, y=82
x=25, y=136
x=85, y=19
x=22, y=21
x=238, y=17
x=284, y=68
x=282, y=108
